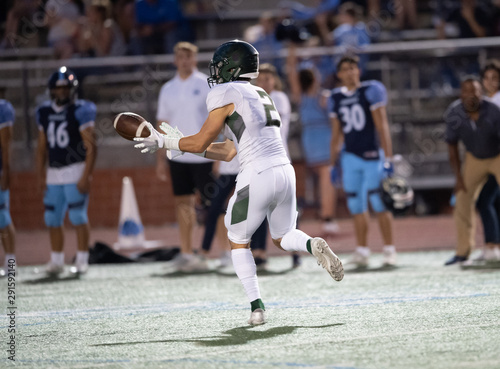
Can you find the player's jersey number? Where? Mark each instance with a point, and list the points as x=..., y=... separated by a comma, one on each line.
x=353, y=117
x=58, y=136
x=269, y=107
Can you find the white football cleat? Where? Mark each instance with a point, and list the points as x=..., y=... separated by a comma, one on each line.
x=331, y=228
x=257, y=317
x=491, y=254
x=390, y=256
x=54, y=269
x=327, y=259
x=80, y=268
x=194, y=264
x=358, y=259
x=225, y=260
x=178, y=261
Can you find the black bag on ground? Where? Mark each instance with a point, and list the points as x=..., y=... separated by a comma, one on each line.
x=159, y=255
x=103, y=254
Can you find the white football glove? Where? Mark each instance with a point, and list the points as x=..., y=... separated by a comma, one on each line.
x=175, y=133
x=172, y=132
x=155, y=141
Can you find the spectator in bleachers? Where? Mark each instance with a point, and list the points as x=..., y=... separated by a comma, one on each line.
x=100, y=35
x=18, y=10
x=490, y=77
x=310, y=20
x=301, y=12
x=263, y=38
x=124, y=15
x=495, y=29
x=158, y=23
x=405, y=12
x=351, y=33
x=470, y=17
x=464, y=19
x=62, y=18
x=306, y=92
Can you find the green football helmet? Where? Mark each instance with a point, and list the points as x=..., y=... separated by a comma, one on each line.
x=232, y=60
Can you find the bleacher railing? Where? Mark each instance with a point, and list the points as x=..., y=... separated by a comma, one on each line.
x=415, y=108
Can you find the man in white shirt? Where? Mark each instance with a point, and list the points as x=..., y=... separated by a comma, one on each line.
x=265, y=185
x=188, y=172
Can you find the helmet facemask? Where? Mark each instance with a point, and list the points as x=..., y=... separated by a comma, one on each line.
x=233, y=60
x=397, y=195
x=63, y=78
x=221, y=72
x=61, y=101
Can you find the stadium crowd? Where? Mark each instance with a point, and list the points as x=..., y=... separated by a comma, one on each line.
x=86, y=28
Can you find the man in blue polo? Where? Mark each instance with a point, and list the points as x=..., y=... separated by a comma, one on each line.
x=476, y=122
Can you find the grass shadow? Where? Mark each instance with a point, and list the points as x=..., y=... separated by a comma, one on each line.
x=231, y=337
x=482, y=266
x=260, y=273
x=382, y=268
x=180, y=274
x=274, y=272
x=53, y=278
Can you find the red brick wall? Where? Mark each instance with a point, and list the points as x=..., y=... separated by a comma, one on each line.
x=155, y=198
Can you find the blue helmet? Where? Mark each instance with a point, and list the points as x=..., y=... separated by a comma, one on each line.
x=63, y=77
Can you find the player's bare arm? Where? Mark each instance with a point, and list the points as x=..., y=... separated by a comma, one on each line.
x=292, y=74
x=337, y=140
x=382, y=126
x=200, y=141
x=88, y=137
x=161, y=164
x=41, y=159
x=224, y=151
x=197, y=143
x=5, y=140
x=456, y=167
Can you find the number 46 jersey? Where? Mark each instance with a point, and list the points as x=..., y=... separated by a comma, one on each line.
x=62, y=126
x=253, y=126
x=354, y=111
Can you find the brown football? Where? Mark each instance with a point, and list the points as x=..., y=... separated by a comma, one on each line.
x=130, y=125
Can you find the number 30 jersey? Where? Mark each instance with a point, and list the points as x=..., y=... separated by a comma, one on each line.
x=62, y=126
x=253, y=126
x=354, y=111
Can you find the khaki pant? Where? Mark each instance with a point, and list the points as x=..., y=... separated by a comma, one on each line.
x=474, y=173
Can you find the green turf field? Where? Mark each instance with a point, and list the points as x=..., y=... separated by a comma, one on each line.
x=420, y=315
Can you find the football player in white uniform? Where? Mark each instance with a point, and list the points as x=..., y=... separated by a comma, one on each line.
x=266, y=182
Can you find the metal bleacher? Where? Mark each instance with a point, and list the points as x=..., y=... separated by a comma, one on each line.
x=412, y=71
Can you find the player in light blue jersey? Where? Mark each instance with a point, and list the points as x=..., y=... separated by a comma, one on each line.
x=7, y=116
x=359, y=119
x=66, y=141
